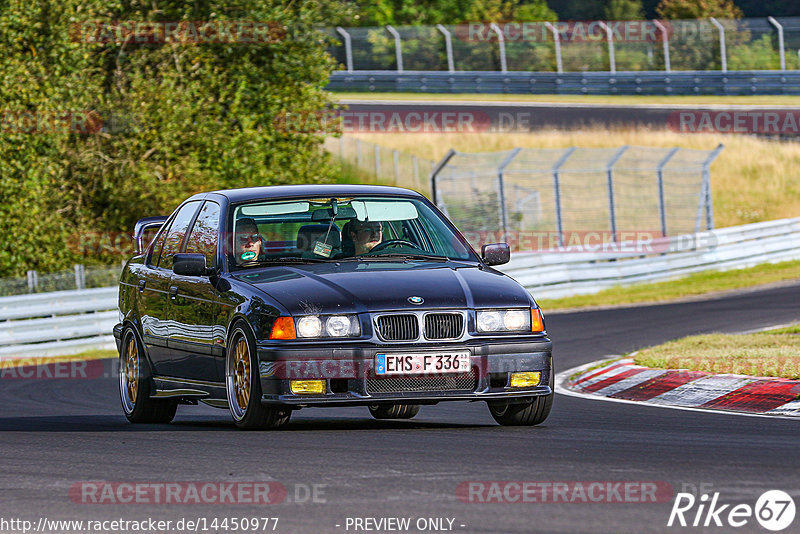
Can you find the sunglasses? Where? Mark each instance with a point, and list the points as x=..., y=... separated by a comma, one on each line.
x=247, y=238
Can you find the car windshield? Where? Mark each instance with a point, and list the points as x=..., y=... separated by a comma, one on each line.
x=334, y=229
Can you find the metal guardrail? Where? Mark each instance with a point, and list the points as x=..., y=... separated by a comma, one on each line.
x=554, y=274
x=61, y=322
x=66, y=322
x=744, y=82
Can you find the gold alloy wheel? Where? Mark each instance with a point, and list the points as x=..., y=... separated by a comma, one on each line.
x=241, y=373
x=131, y=370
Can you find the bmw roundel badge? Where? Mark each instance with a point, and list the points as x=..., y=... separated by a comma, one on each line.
x=416, y=300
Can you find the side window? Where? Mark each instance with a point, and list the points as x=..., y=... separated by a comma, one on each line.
x=155, y=251
x=177, y=231
x=203, y=239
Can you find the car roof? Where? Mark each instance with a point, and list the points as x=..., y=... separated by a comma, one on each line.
x=308, y=190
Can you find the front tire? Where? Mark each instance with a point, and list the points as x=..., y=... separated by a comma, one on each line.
x=135, y=385
x=243, y=386
x=394, y=411
x=527, y=414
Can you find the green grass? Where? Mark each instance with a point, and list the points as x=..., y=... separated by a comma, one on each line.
x=775, y=353
x=769, y=100
x=695, y=284
x=44, y=360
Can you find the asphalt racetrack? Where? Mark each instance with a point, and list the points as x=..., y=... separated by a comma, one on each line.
x=56, y=434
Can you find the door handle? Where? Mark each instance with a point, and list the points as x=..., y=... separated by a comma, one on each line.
x=173, y=292
x=142, y=283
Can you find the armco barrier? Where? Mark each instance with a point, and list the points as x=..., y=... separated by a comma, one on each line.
x=751, y=82
x=62, y=322
x=554, y=274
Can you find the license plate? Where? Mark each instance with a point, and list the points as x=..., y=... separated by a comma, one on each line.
x=427, y=363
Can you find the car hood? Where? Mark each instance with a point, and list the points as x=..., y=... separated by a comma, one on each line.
x=381, y=286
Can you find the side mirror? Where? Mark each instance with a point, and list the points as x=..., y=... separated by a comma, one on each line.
x=189, y=265
x=496, y=253
x=145, y=230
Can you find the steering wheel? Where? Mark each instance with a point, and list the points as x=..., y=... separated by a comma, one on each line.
x=394, y=243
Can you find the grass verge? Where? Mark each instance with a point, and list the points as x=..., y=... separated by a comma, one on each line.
x=46, y=360
x=694, y=284
x=755, y=100
x=774, y=353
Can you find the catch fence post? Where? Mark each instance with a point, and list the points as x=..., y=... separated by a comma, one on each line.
x=722, y=54
x=557, y=42
x=501, y=41
x=707, y=182
x=612, y=58
x=398, y=50
x=781, y=51
x=501, y=191
x=348, y=47
x=610, y=180
x=557, y=192
x=661, y=202
x=448, y=47
x=435, y=172
x=664, y=43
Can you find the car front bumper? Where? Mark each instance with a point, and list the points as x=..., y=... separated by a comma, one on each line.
x=350, y=379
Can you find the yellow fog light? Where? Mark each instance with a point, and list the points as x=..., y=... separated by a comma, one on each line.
x=307, y=387
x=526, y=380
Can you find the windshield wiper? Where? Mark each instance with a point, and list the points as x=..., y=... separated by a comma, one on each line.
x=291, y=259
x=406, y=256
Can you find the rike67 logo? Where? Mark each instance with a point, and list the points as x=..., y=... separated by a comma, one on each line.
x=774, y=510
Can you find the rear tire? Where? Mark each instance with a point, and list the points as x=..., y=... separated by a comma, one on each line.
x=136, y=385
x=527, y=414
x=243, y=386
x=394, y=411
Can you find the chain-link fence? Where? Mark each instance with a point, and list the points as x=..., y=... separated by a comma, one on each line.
x=576, y=46
x=385, y=164
x=80, y=277
x=520, y=195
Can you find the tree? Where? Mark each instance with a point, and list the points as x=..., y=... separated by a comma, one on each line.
x=624, y=10
x=177, y=117
x=698, y=9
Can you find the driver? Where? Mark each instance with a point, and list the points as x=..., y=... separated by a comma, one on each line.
x=247, y=241
x=365, y=235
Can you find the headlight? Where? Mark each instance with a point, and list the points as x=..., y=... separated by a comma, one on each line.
x=314, y=326
x=309, y=326
x=504, y=321
x=338, y=326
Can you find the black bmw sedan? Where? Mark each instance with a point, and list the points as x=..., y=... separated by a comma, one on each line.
x=267, y=300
